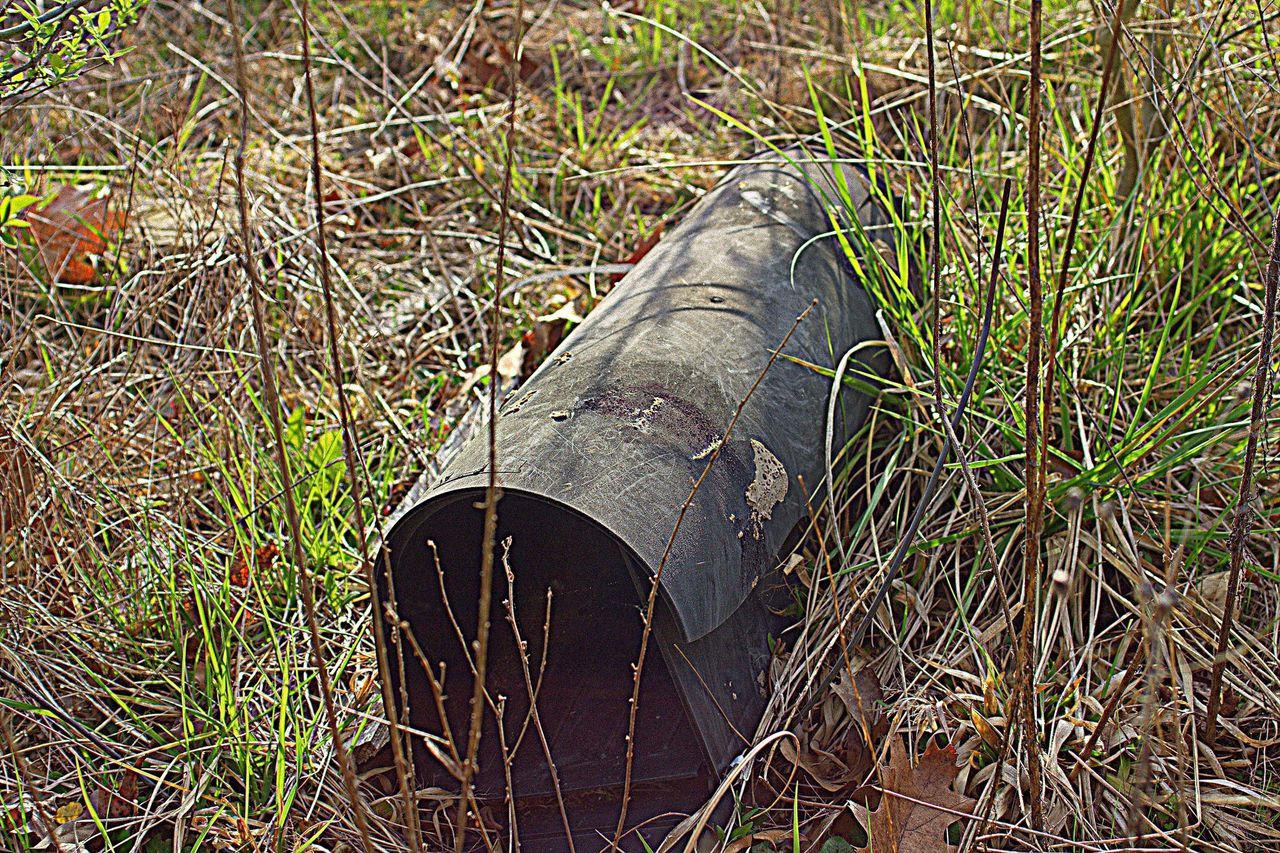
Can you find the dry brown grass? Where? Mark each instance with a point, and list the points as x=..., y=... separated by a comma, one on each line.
x=136, y=453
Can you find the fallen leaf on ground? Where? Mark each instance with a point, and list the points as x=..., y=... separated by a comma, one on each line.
x=1213, y=590
x=120, y=801
x=68, y=812
x=832, y=745
x=510, y=362
x=918, y=803
x=862, y=697
x=545, y=335
x=125, y=803
x=764, y=836
x=823, y=767
x=487, y=62
x=241, y=572
x=641, y=250
x=70, y=231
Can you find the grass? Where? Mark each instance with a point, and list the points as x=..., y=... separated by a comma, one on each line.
x=140, y=485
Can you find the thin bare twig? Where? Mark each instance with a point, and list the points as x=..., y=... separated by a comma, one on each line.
x=1064, y=270
x=355, y=468
x=1243, y=517
x=272, y=401
x=531, y=690
x=662, y=564
x=935, y=209
x=492, y=493
x=1025, y=691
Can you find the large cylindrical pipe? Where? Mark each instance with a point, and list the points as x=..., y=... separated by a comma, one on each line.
x=597, y=455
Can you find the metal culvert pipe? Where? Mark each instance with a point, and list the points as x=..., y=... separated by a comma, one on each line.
x=598, y=452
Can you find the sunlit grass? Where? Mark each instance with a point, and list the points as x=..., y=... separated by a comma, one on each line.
x=152, y=600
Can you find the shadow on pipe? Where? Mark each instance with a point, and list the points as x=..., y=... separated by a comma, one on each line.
x=598, y=452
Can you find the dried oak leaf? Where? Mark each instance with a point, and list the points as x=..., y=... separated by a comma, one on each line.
x=242, y=572
x=918, y=803
x=71, y=230
x=117, y=802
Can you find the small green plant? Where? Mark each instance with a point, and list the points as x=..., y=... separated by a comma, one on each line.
x=11, y=221
x=50, y=44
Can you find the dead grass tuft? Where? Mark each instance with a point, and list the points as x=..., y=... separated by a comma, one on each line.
x=158, y=676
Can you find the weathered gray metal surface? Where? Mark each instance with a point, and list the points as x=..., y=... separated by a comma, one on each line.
x=620, y=421
x=617, y=425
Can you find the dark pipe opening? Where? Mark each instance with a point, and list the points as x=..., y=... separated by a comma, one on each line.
x=583, y=675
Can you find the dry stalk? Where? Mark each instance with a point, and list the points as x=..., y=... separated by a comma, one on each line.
x=1120, y=692
x=531, y=690
x=935, y=272
x=935, y=208
x=402, y=757
x=825, y=555
x=1064, y=270
x=1241, y=521
x=492, y=493
x=272, y=400
x=1155, y=623
x=1025, y=692
x=662, y=564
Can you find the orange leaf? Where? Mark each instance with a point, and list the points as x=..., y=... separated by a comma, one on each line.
x=487, y=62
x=118, y=802
x=918, y=803
x=641, y=250
x=264, y=558
x=70, y=230
x=125, y=803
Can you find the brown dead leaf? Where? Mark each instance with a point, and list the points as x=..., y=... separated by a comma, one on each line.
x=510, y=363
x=118, y=802
x=72, y=230
x=911, y=816
x=641, y=250
x=764, y=836
x=125, y=803
x=487, y=62
x=864, y=700
x=239, y=574
x=825, y=769
x=545, y=335
x=861, y=696
x=1213, y=591
x=831, y=746
x=243, y=570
